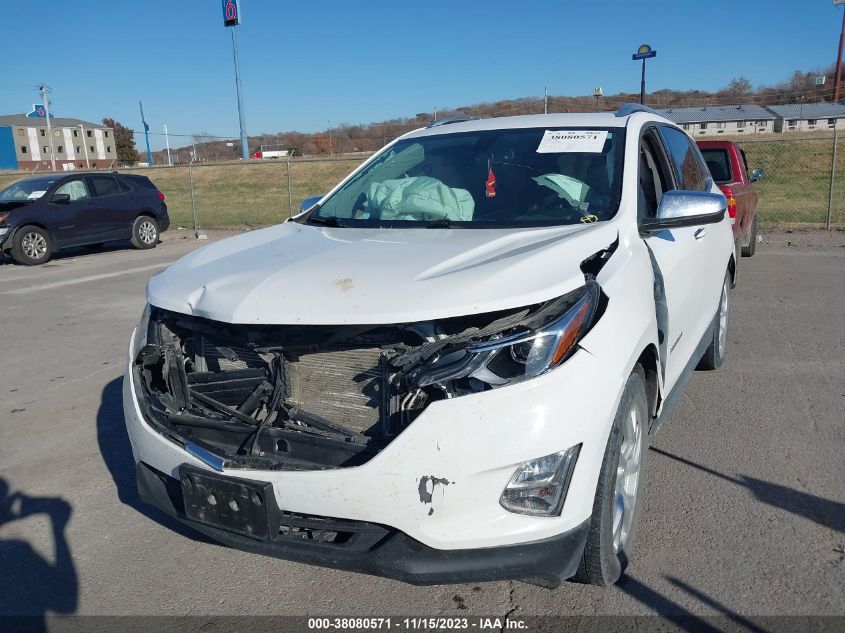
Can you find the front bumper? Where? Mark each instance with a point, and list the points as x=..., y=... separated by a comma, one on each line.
x=387, y=552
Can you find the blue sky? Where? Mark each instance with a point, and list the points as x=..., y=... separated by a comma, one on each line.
x=305, y=64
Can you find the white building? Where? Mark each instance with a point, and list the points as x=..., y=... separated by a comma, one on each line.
x=809, y=117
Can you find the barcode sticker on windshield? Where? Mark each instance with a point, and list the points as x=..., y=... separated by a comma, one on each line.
x=566, y=141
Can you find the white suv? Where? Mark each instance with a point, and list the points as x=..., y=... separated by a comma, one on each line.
x=449, y=367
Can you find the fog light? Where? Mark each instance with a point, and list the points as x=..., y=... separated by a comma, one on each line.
x=539, y=487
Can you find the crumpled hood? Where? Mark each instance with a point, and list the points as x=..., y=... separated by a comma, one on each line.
x=302, y=274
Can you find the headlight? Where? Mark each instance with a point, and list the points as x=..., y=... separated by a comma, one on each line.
x=139, y=337
x=539, y=487
x=543, y=342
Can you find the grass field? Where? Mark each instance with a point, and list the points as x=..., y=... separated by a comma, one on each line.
x=253, y=194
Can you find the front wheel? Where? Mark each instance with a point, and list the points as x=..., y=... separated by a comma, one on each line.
x=714, y=355
x=32, y=246
x=144, y=232
x=619, y=490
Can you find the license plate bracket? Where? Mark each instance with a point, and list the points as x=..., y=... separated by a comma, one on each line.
x=236, y=505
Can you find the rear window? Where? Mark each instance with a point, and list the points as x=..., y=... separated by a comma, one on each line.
x=718, y=164
x=141, y=181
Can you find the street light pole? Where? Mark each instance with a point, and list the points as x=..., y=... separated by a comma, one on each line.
x=85, y=145
x=167, y=144
x=44, y=89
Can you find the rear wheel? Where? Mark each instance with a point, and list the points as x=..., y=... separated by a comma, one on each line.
x=621, y=482
x=32, y=246
x=749, y=249
x=714, y=355
x=144, y=232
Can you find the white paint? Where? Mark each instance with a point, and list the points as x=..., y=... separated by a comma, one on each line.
x=70, y=150
x=290, y=274
x=34, y=145
x=101, y=147
x=566, y=141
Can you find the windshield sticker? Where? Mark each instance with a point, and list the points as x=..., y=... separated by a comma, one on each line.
x=569, y=141
x=35, y=195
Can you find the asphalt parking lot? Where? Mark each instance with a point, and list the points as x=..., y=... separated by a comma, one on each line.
x=744, y=512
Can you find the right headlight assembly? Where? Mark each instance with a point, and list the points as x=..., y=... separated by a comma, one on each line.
x=544, y=341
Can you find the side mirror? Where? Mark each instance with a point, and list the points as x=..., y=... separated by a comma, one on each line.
x=757, y=173
x=309, y=202
x=60, y=198
x=686, y=208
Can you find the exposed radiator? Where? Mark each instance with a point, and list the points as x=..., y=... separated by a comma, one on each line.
x=342, y=386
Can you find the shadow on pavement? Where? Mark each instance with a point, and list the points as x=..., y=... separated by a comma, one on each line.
x=117, y=454
x=823, y=511
x=31, y=585
x=75, y=252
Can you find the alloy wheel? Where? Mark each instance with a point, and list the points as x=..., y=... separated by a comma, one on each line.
x=723, y=320
x=147, y=232
x=627, y=479
x=34, y=246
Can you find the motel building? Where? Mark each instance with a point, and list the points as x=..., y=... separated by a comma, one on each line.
x=25, y=143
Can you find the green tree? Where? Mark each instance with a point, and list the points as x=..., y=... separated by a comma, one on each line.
x=124, y=142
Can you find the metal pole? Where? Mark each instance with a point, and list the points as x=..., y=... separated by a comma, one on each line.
x=43, y=90
x=193, y=201
x=244, y=140
x=290, y=195
x=837, y=84
x=545, y=99
x=832, y=177
x=642, y=85
x=85, y=145
x=146, y=134
x=167, y=143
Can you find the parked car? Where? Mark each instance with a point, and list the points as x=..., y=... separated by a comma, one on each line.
x=40, y=216
x=448, y=369
x=729, y=168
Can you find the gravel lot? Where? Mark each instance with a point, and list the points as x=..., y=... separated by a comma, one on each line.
x=744, y=513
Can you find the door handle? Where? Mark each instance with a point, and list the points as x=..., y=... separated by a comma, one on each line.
x=699, y=233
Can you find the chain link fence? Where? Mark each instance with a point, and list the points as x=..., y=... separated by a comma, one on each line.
x=803, y=184
x=805, y=179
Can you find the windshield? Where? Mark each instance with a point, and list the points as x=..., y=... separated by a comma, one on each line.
x=486, y=179
x=26, y=189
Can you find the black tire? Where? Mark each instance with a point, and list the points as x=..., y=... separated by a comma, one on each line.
x=715, y=353
x=32, y=246
x=751, y=248
x=145, y=232
x=605, y=558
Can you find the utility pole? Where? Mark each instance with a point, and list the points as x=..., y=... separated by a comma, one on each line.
x=167, y=143
x=837, y=84
x=435, y=114
x=545, y=99
x=44, y=89
x=146, y=134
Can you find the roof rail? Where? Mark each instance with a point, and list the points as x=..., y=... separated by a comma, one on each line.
x=454, y=119
x=631, y=108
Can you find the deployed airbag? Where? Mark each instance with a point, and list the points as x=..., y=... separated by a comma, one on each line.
x=419, y=198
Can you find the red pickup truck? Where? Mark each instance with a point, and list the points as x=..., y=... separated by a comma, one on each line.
x=730, y=171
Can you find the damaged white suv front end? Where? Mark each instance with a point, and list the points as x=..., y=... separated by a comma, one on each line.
x=422, y=376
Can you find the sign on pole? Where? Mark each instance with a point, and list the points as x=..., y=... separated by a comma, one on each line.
x=645, y=51
x=231, y=12
x=821, y=79
x=38, y=111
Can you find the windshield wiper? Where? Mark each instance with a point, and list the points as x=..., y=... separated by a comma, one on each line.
x=332, y=221
x=442, y=223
